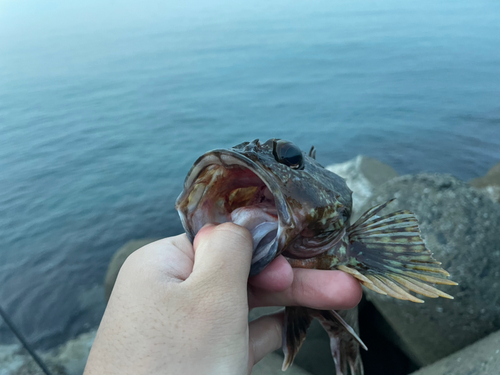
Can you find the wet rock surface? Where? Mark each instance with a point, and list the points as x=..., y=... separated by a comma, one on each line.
x=31, y=368
x=490, y=183
x=363, y=175
x=481, y=358
x=66, y=359
x=118, y=259
x=461, y=226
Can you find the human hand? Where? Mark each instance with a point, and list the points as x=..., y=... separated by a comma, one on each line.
x=178, y=308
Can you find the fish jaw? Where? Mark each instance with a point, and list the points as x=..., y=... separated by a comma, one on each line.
x=253, y=181
x=226, y=186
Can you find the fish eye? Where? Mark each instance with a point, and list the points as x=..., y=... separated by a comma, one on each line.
x=287, y=153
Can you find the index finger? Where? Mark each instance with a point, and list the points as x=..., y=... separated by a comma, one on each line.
x=317, y=289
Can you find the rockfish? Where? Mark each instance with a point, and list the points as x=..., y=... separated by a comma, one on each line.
x=293, y=206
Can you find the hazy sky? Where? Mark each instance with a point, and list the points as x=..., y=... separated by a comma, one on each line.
x=26, y=18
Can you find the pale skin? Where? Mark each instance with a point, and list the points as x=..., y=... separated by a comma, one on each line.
x=182, y=308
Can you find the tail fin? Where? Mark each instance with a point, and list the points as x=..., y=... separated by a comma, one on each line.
x=389, y=257
x=344, y=340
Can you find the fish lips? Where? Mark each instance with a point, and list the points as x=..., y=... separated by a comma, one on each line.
x=228, y=159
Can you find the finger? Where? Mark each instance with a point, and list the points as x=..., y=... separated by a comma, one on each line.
x=202, y=233
x=265, y=335
x=222, y=256
x=323, y=290
x=276, y=277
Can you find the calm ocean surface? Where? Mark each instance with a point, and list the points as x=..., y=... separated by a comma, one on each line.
x=103, y=109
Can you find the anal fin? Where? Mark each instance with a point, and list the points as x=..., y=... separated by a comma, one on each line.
x=332, y=317
x=341, y=327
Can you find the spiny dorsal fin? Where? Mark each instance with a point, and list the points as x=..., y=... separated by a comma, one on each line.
x=312, y=152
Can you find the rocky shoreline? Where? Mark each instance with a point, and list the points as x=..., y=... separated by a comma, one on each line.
x=460, y=223
x=66, y=359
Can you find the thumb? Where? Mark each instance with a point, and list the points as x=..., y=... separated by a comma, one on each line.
x=223, y=255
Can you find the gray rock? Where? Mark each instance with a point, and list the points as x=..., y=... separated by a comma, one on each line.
x=481, y=358
x=72, y=355
x=31, y=368
x=67, y=359
x=118, y=260
x=12, y=358
x=363, y=175
x=490, y=183
x=461, y=227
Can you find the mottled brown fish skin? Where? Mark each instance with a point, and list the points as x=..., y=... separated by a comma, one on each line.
x=319, y=200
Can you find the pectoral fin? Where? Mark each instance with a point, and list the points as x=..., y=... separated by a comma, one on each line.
x=388, y=256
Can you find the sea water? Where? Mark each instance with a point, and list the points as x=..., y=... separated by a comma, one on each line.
x=104, y=108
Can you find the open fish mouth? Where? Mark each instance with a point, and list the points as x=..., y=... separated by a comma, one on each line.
x=226, y=186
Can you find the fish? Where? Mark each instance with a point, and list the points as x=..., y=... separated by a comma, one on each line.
x=295, y=207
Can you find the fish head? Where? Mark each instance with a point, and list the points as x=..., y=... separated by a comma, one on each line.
x=290, y=204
